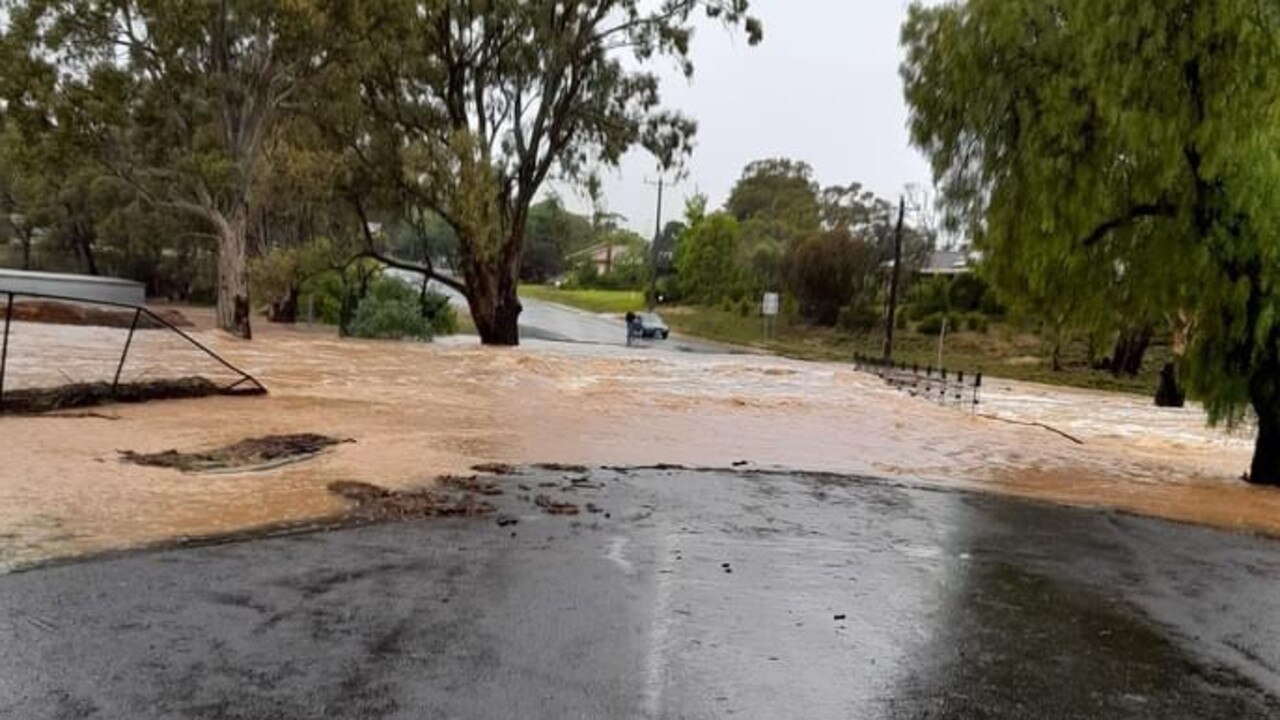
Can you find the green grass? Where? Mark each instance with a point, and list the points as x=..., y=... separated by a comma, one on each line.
x=598, y=301
x=1003, y=351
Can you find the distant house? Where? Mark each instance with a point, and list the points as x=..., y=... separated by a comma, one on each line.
x=941, y=262
x=605, y=256
x=947, y=263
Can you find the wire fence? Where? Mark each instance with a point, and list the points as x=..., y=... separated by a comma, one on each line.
x=950, y=388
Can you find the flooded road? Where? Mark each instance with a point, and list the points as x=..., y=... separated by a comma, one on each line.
x=417, y=411
x=693, y=595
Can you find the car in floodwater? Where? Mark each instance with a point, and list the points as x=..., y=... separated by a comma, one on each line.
x=651, y=325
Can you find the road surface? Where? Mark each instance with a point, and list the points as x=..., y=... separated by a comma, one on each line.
x=543, y=320
x=687, y=595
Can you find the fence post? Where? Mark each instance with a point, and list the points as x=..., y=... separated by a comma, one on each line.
x=128, y=341
x=4, y=345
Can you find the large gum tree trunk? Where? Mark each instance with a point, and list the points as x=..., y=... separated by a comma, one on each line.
x=233, y=275
x=492, y=284
x=1265, y=469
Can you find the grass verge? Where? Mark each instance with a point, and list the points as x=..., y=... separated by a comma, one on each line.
x=1003, y=351
x=597, y=301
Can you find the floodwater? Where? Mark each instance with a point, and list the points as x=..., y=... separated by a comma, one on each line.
x=417, y=411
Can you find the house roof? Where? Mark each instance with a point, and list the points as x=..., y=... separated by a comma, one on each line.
x=947, y=262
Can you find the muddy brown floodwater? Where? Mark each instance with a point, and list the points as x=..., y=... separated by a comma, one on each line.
x=418, y=411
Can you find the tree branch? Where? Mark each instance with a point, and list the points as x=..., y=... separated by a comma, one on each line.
x=1137, y=212
x=427, y=270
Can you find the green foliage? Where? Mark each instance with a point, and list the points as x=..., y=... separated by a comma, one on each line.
x=930, y=297
x=780, y=196
x=932, y=324
x=976, y=322
x=390, y=318
x=552, y=233
x=1117, y=163
x=901, y=322
x=704, y=258
x=440, y=313
x=828, y=271
x=861, y=317
x=551, y=88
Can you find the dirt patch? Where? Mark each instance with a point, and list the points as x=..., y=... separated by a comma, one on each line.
x=374, y=503
x=60, y=313
x=77, y=395
x=271, y=450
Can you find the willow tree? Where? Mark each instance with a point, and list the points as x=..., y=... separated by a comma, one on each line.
x=479, y=102
x=177, y=98
x=1121, y=151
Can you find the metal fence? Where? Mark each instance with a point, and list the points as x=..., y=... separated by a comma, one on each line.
x=138, y=346
x=945, y=387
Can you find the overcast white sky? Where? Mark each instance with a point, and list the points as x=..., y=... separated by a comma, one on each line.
x=823, y=87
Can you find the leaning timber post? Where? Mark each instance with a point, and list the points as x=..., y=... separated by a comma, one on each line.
x=4, y=344
x=893, y=281
x=115, y=382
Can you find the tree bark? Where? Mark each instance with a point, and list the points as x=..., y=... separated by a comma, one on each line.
x=233, y=275
x=1265, y=469
x=284, y=309
x=1170, y=393
x=492, y=291
x=1131, y=349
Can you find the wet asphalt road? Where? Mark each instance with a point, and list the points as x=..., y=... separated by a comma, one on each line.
x=548, y=321
x=688, y=595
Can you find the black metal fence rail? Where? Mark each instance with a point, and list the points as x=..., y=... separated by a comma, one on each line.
x=938, y=384
x=245, y=383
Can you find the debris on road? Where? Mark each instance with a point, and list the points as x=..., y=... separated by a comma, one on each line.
x=555, y=507
x=495, y=468
x=562, y=467
x=379, y=503
x=471, y=483
x=252, y=453
x=31, y=401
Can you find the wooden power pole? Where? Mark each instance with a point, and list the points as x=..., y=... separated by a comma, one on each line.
x=893, y=281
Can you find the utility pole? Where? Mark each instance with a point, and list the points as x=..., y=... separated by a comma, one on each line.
x=653, y=249
x=893, y=281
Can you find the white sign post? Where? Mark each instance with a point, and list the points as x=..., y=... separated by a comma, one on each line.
x=769, y=309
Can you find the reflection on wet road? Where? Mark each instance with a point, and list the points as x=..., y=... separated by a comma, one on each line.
x=416, y=411
x=691, y=595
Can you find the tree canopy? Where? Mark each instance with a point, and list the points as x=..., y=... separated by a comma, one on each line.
x=1120, y=158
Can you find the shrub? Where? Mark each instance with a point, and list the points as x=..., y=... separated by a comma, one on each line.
x=900, y=322
x=390, y=319
x=745, y=307
x=858, y=317
x=932, y=324
x=440, y=313
x=977, y=322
